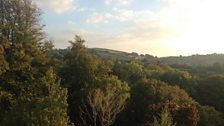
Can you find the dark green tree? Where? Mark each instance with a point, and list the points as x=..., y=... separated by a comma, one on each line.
x=146, y=93
x=29, y=93
x=210, y=91
x=80, y=73
x=3, y=63
x=44, y=102
x=210, y=117
x=128, y=71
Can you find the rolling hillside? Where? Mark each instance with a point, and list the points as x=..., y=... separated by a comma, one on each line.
x=193, y=60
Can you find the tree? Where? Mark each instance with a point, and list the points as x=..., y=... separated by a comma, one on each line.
x=55, y=101
x=30, y=93
x=210, y=91
x=174, y=77
x=210, y=117
x=165, y=119
x=19, y=20
x=103, y=104
x=6, y=101
x=180, y=78
x=45, y=103
x=182, y=114
x=149, y=92
x=20, y=29
x=3, y=63
x=129, y=71
x=80, y=74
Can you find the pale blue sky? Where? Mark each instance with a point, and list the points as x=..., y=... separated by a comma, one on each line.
x=157, y=27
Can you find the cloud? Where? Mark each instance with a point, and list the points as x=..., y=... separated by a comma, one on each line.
x=57, y=6
x=123, y=2
x=123, y=14
x=120, y=15
x=99, y=18
x=179, y=27
x=108, y=2
x=70, y=22
x=82, y=9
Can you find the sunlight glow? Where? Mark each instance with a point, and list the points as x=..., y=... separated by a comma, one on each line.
x=202, y=30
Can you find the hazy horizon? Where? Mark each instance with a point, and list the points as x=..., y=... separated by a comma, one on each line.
x=157, y=27
x=156, y=55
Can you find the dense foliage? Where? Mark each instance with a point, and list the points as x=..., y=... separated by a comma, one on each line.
x=44, y=86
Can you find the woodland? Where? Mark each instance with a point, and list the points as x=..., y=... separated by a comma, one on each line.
x=44, y=86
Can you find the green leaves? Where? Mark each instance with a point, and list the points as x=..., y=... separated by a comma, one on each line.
x=3, y=63
x=165, y=119
x=30, y=93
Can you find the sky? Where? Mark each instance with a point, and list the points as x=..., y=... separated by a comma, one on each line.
x=156, y=27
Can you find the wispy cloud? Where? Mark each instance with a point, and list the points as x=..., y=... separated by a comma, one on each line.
x=57, y=6
x=120, y=15
x=99, y=18
x=123, y=2
x=123, y=14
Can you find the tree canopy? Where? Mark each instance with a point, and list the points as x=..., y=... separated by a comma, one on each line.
x=41, y=85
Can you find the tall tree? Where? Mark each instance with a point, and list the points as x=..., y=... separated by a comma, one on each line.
x=80, y=74
x=20, y=30
x=27, y=89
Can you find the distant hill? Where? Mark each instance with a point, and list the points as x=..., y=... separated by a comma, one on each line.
x=193, y=60
x=108, y=54
x=208, y=59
